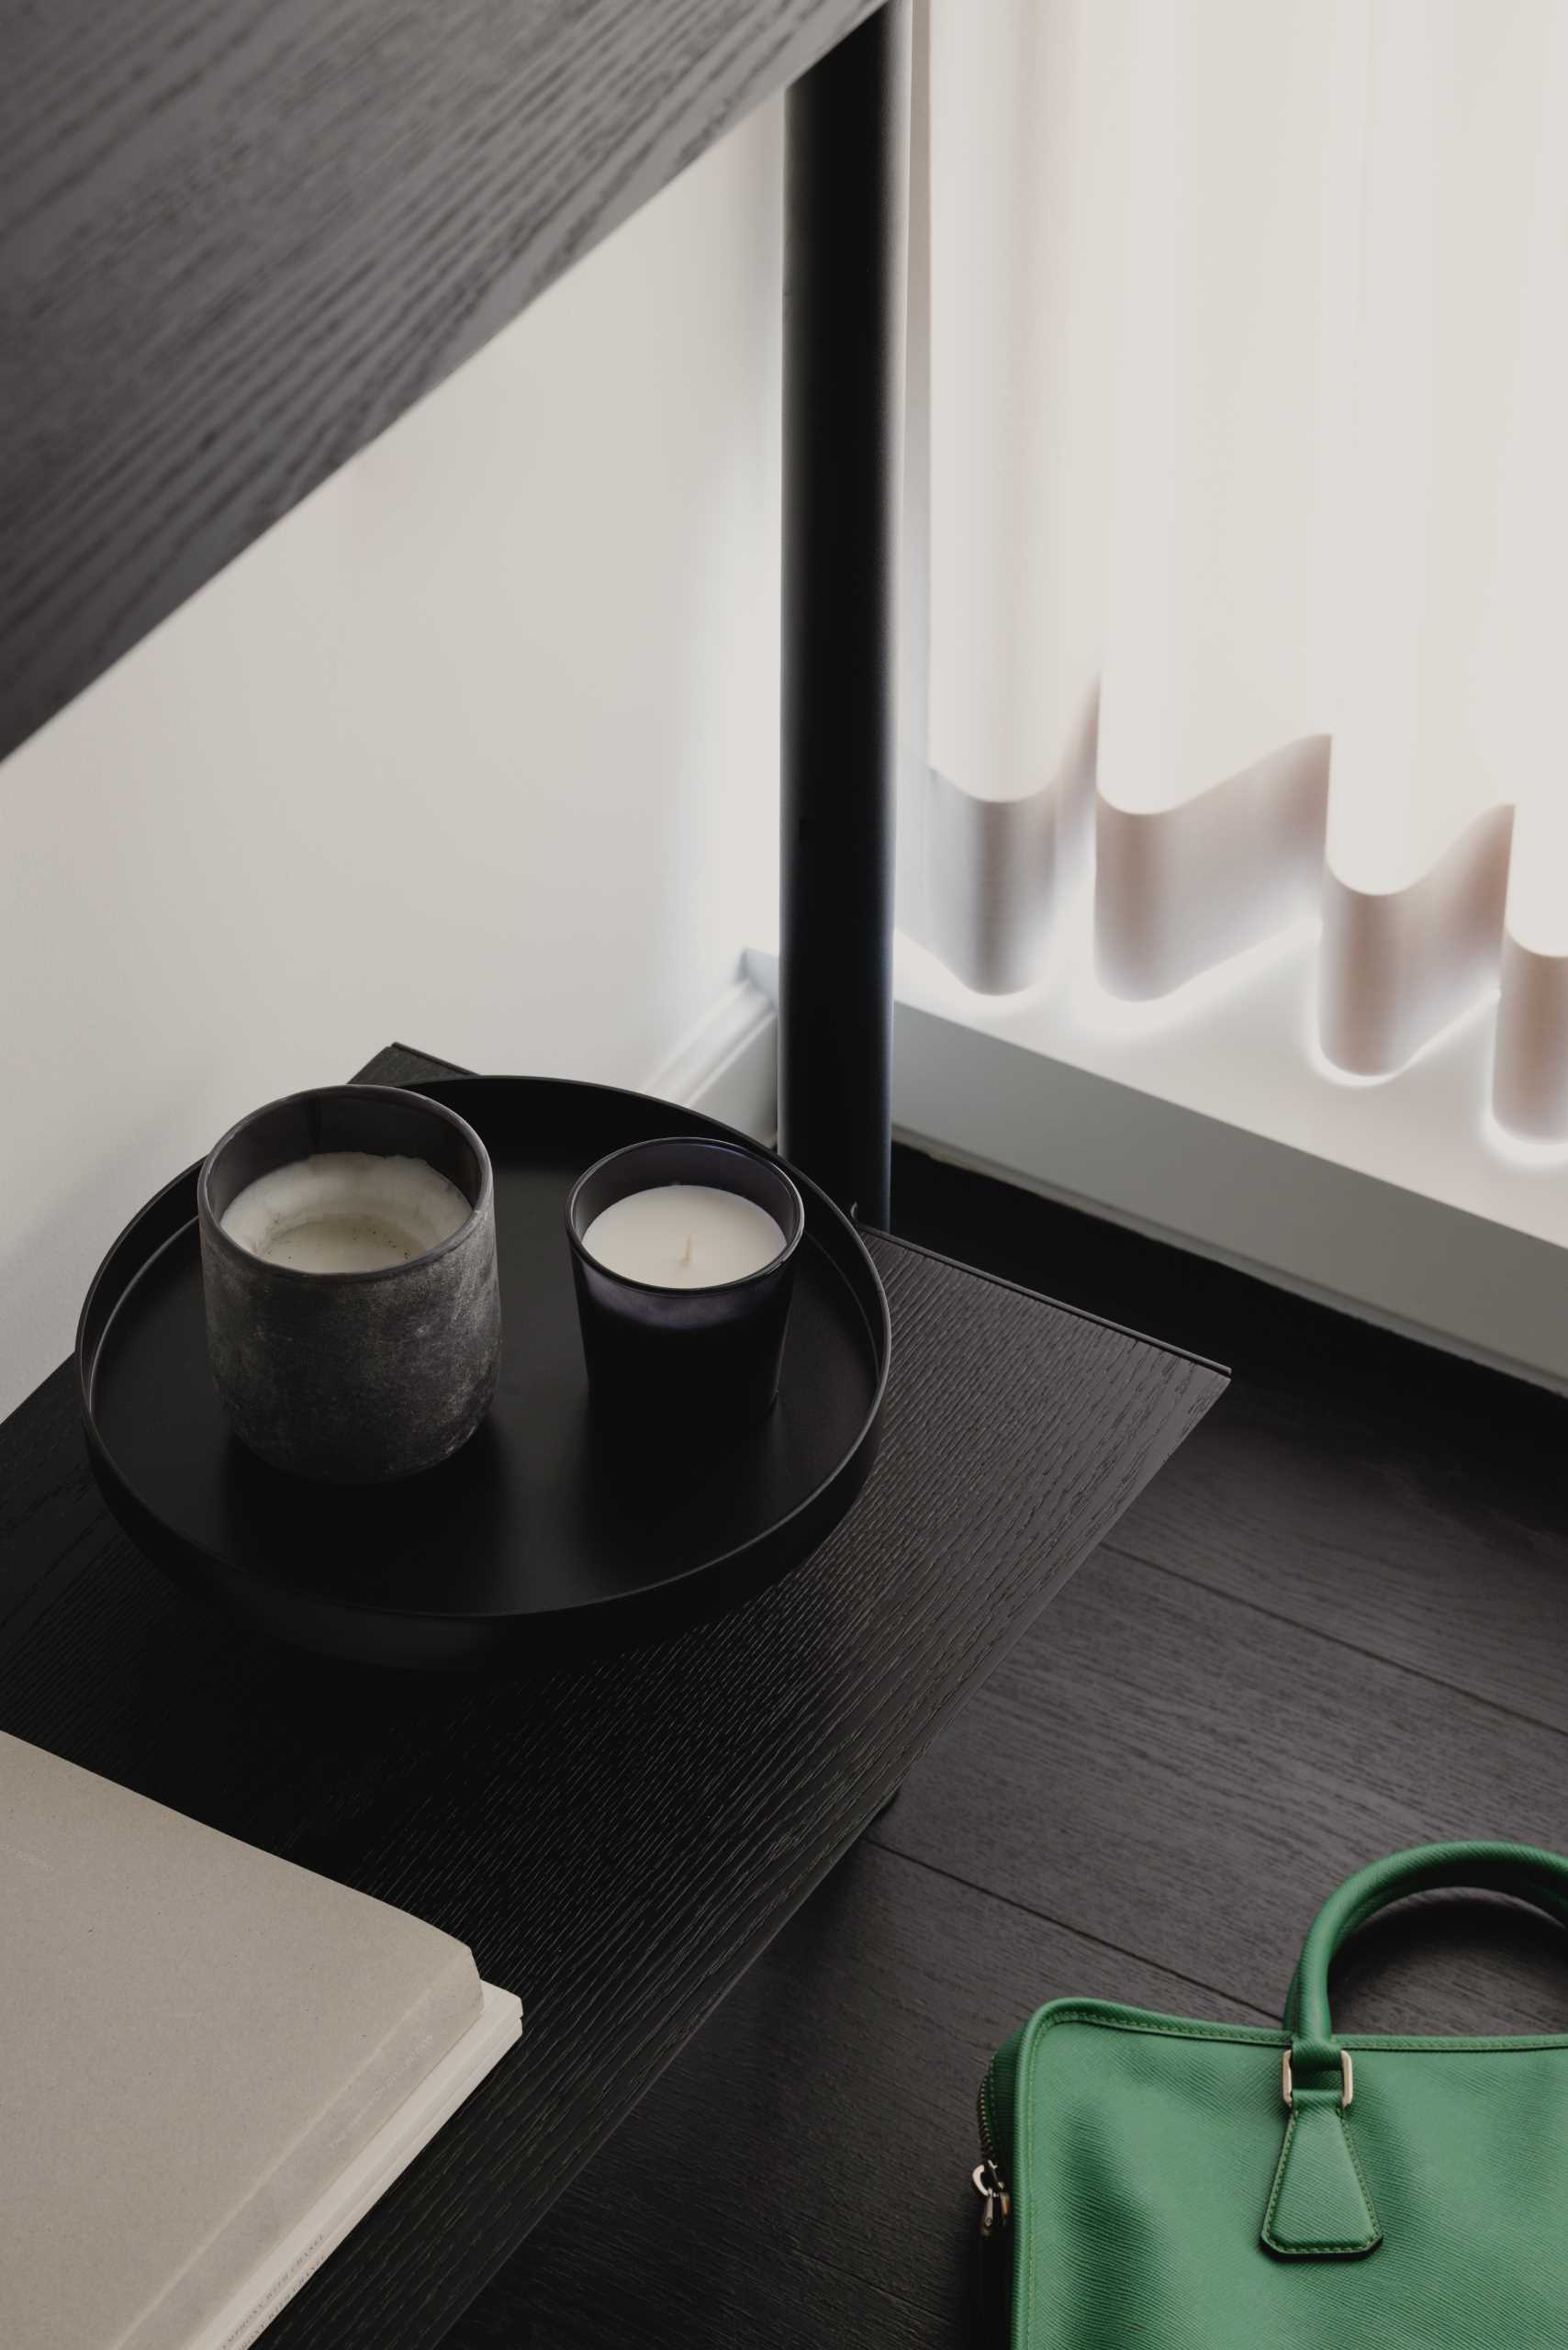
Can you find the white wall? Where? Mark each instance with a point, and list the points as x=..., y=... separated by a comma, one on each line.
x=476, y=749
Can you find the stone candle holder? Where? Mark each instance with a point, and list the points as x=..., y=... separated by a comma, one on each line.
x=352, y=1377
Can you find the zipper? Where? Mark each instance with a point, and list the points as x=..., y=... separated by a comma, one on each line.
x=992, y=2260
x=996, y=2203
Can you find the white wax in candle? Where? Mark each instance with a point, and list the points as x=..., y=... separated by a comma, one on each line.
x=346, y=1212
x=684, y=1235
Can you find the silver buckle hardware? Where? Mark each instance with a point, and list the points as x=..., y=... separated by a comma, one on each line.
x=1347, y=2079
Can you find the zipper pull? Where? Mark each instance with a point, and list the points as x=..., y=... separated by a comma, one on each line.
x=996, y=2204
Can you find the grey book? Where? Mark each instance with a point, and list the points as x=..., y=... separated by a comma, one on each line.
x=211, y=2063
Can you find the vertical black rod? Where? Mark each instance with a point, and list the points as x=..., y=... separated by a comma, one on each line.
x=846, y=230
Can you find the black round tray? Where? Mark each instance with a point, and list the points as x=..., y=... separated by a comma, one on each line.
x=544, y=1531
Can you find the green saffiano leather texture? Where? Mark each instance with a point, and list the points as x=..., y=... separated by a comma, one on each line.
x=1319, y=2203
x=1163, y=2193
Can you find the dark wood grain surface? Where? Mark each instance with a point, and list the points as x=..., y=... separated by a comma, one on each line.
x=1336, y=1623
x=1306, y=1750
x=832, y=2096
x=619, y=1842
x=239, y=237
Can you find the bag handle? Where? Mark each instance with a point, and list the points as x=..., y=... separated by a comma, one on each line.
x=1320, y=2205
x=1521, y=1870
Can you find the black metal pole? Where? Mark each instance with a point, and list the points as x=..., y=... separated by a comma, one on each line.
x=846, y=230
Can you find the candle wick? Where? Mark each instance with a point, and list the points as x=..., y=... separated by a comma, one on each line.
x=686, y=1252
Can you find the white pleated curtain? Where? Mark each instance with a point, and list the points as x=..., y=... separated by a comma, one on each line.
x=1238, y=504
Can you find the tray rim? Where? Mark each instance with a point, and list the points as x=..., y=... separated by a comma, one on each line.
x=494, y=1628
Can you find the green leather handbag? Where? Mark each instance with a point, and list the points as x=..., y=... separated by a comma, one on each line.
x=1150, y=2181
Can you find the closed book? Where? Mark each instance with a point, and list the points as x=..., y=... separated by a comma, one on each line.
x=211, y=2062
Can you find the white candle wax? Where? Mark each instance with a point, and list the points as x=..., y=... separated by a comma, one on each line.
x=684, y=1235
x=346, y=1212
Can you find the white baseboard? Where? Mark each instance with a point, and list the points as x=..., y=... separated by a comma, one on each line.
x=728, y=1065
x=1348, y=1239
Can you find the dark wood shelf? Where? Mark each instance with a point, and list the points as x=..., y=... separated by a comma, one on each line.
x=620, y=1841
x=239, y=237
x=1333, y=1625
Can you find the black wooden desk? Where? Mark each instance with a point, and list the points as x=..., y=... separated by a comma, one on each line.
x=616, y=1842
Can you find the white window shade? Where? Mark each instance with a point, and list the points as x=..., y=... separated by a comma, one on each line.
x=1241, y=507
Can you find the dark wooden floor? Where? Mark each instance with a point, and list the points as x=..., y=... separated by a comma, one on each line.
x=1338, y=1623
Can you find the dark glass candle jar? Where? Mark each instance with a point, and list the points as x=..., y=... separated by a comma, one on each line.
x=684, y=1338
